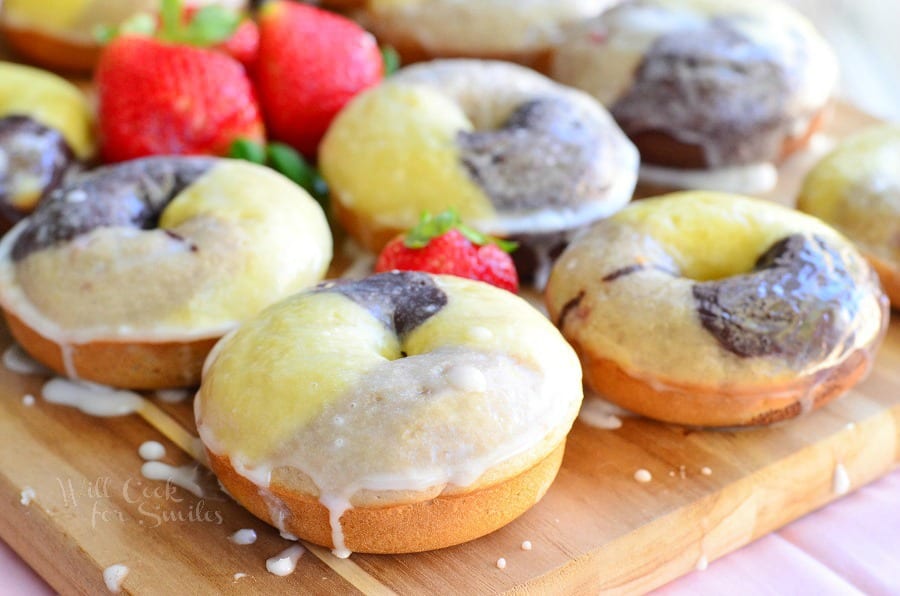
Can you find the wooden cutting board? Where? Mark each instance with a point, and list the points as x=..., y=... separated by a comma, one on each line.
x=597, y=528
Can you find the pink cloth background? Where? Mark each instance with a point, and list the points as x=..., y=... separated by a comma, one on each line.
x=850, y=547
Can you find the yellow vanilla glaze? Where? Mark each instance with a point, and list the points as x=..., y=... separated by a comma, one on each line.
x=242, y=238
x=49, y=99
x=321, y=351
x=714, y=235
x=392, y=152
x=279, y=369
x=286, y=240
x=856, y=188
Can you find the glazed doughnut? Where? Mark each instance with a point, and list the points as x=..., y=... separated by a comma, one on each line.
x=129, y=274
x=516, y=154
x=45, y=131
x=61, y=34
x=399, y=413
x=713, y=92
x=717, y=310
x=856, y=189
x=515, y=30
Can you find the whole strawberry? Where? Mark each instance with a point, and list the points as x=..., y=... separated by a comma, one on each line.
x=311, y=63
x=161, y=95
x=442, y=244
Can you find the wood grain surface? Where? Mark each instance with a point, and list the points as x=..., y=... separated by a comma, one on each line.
x=597, y=528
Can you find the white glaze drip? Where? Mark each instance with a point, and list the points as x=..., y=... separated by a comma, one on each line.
x=526, y=545
x=183, y=476
x=27, y=496
x=643, y=476
x=288, y=536
x=113, y=576
x=840, y=481
x=152, y=450
x=706, y=471
x=501, y=563
x=90, y=398
x=18, y=361
x=702, y=563
x=466, y=378
x=172, y=396
x=68, y=358
x=336, y=506
x=599, y=413
x=244, y=536
x=748, y=179
x=28, y=400
x=285, y=562
x=479, y=333
x=239, y=575
x=278, y=511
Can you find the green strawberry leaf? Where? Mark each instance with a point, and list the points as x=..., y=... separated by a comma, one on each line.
x=286, y=160
x=211, y=25
x=208, y=26
x=142, y=23
x=391, y=60
x=170, y=15
x=431, y=227
x=248, y=150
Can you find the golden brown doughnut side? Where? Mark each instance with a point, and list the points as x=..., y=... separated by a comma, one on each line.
x=133, y=365
x=659, y=148
x=412, y=51
x=364, y=230
x=889, y=277
x=50, y=51
x=697, y=405
x=411, y=527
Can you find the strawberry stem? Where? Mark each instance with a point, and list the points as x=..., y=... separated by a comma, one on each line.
x=170, y=15
x=391, y=60
x=432, y=226
x=206, y=27
x=285, y=160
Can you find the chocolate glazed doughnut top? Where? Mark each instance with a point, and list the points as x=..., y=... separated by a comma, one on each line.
x=132, y=195
x=33, y=160
x=733, y=79
x=161, y=247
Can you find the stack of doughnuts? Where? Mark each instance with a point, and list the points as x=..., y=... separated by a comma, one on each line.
x=713, y=92
x=399, y=413
x=46, y=130
x=128, y=275
x=516, y=154
x=717, y=310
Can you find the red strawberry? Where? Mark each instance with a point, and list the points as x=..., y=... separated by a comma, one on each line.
x=165, y=95
x=161, y=98
x=311, y=63
x=243, y=45
x=442, y=244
